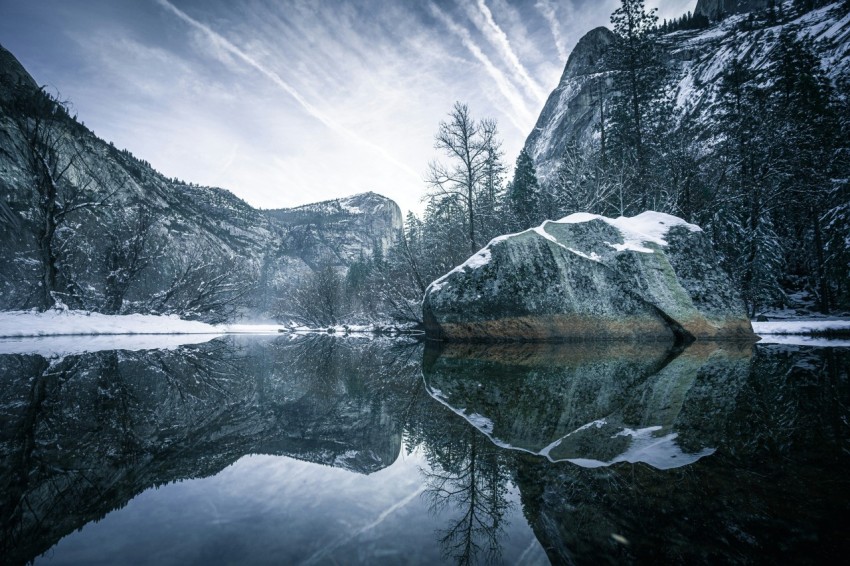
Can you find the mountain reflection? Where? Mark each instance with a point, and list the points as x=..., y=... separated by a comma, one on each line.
x=612, y=453
x=83, y=434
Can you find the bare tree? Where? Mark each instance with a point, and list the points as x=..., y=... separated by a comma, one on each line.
x=469, y=144
x=582, y=185
x=317, y=301
x=130, y=251
x=63, y=182
x=205, y=286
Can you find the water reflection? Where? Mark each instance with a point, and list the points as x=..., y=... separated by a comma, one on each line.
x=590, y=404
x=612, y=454
x=83, y=434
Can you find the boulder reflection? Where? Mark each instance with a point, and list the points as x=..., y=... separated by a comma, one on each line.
x=589, y=404
x=738, y=454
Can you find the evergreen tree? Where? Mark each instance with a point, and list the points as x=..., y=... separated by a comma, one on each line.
x=636, y=60
x=525, y=199
x=806, y=125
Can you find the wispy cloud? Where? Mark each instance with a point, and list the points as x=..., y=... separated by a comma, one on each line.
x=520, y=116
x=495, y=35
x=223, y=44
x=322, y=99
x=548, y=11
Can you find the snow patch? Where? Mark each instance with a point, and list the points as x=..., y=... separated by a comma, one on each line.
x=68, y=322
x=479, y=259
x=62, y=322
x=659, y=452
x=593, y=255
x=480, y=422
x=646, y=227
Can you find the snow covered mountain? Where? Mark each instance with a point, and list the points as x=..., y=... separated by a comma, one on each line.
x=696, y=59
x=113, y=210
x=339, y=231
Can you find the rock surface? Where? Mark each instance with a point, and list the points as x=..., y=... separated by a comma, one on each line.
x=588, y=277
x=571, y=111
x=696, y=59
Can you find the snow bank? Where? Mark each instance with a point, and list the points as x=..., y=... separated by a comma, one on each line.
x=75, y=323
x=798, y=332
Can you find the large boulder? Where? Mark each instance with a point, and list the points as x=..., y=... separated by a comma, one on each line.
x=588, y=277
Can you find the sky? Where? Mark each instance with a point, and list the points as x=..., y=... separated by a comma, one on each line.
x=290, y=102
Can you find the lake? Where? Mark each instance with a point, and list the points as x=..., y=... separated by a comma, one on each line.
x=290, y=449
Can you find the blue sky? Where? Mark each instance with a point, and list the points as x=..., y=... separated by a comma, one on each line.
x=289, y=102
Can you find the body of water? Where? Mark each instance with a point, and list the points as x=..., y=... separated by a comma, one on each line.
x=324, y=450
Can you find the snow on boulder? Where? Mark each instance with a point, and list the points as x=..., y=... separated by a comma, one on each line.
x=588, y=277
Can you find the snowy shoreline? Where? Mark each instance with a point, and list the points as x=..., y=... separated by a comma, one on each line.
x=800, y=327
x=30, y=324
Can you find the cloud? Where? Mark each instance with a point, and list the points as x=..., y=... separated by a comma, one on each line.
x=222, y=44
x=548, y=10
x=496, y=36
x=520, y=116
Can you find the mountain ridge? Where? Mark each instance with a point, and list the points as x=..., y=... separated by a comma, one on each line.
x=192, y=226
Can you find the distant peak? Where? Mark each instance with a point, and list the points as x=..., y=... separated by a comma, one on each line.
x=12, y=72
x=588, y=52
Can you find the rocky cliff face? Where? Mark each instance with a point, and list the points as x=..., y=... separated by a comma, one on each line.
x=587, y=277
x=192, y=226
x=696, y=61
x=340, y=231
x=716, y=10
x=572, y=109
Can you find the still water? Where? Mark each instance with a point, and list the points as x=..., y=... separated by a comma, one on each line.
x=323, y=450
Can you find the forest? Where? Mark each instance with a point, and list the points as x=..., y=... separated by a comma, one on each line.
x=767, y=177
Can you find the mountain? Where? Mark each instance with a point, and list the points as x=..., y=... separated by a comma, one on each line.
x=339, y=231
x=123, y=237
x=572, y=109
x=696, y=59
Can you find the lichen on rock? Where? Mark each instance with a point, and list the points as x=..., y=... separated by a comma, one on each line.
x=588, y=277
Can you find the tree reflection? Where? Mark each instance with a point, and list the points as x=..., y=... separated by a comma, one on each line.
x=467, y=480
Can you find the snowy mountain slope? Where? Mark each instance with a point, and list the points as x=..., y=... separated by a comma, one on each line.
x=713, y=9
x=192, y=225
x=572, y=109
x=696, y=58
x=702, y=55
x=339, y=231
